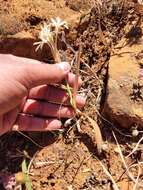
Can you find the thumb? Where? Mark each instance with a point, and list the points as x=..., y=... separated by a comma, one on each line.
x=39, y=74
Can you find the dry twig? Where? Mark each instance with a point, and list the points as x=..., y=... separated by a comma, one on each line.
x=115, y=187
x=139, y=173
x=136, y=147
x=124, y=163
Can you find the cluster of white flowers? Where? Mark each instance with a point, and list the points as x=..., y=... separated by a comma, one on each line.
x=48, y=32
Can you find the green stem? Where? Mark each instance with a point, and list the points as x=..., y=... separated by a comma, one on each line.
x=58, y=60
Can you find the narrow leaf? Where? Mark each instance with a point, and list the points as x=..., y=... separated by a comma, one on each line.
x=28, y=183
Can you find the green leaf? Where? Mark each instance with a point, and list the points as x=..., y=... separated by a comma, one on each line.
x=28, y=183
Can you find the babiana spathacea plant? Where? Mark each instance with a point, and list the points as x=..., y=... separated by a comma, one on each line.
x=49, y=36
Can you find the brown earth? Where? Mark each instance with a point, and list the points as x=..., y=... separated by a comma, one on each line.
x=69, y=160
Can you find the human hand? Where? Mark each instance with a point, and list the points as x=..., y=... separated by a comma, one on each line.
x=27, y=103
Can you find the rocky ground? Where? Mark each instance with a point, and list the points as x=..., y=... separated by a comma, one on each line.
x=111, y=63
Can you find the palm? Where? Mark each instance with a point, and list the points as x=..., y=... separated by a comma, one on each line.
x=26, y=103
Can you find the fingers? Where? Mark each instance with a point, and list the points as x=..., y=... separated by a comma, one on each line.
x=54, y=95
x=45, y=109
x=30, y=123
x=47, y=74
x=35, y=73
x=71, y=79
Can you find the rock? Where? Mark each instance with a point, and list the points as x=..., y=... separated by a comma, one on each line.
x=21, y=35
x=124, y=100
x=21, y=44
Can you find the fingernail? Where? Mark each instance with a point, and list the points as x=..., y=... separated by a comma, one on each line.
x=81, y=100
x=64, y=66
x=15, y=127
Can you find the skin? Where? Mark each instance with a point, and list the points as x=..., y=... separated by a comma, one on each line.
x=28, y=99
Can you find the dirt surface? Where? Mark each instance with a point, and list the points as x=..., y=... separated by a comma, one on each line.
x=16, y=15
x=69, y=160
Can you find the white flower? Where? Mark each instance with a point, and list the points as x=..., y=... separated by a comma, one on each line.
x=45, y=35
x=59, y=23
x=48, y=35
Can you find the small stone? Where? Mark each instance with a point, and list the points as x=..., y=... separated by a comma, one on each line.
x=135, y=132
x=105, y=147
x=116, y=150
x=20, y=178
